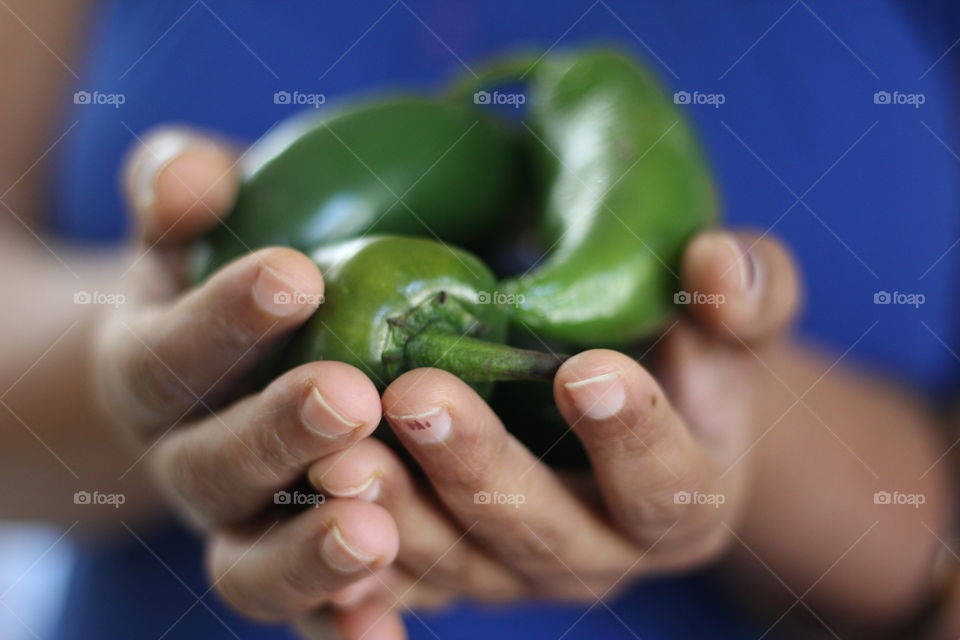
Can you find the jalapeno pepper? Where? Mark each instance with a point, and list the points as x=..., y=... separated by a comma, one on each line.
x=407, y=165
x=395, y=303
x=626, y=186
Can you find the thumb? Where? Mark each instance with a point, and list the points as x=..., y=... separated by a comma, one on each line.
x=179, y=183
x=745, y=288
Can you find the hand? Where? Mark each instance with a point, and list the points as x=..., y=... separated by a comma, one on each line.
x=172, y=367
x=669, y=478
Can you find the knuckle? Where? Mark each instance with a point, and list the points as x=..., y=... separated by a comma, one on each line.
x=711, y=547
x=150, y=388
x=279, y=438
x=447, y=571
x=656, y=516
x=246, y=600
x=572, y=591
x=535, y=555
x=463, y=478
x=294, y=590
x=231, y=593
x=279, y=449
x=469, y=573
x=233, y=590
x=432, y=600
x=497, y=595
x=593, y=585
x=697, y=548
x=613, y=586
x=479, y=463
x=299, y=575
x=663, y=514
x=187, y=473
x=277, y=444
x=233, y=332
x=582, y=595
x=538, y=552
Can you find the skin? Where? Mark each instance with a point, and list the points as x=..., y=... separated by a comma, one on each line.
x=718, y=415
x=691, y=423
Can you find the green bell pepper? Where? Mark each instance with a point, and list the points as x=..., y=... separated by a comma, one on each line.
x=407, y=165
x=625, y=187
x=395, y=303
x=623, y=183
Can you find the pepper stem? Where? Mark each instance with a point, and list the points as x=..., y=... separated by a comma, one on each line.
x=474, y=360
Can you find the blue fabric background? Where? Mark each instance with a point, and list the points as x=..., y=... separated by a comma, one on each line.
x=879, y=183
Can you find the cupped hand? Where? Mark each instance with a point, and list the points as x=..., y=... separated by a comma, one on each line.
x=174, y=367
x=491, y=521
x=669, y=475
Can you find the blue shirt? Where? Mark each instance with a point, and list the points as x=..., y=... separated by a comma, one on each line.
x=835, y=132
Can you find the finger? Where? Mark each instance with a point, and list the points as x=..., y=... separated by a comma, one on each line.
x=740, y=286
x=644, y=457
x=364, y=588
x=709, y=380
x=296, y=565
x=432, y=547
x=396, y=586
x=169, y=361
x=508, y=501
x=179, y=183
x=408, y=593
x=226, y=468
x=373, y=619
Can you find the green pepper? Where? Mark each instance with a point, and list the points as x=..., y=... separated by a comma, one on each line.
x=408, y=165
x=626, y=186
x=395, y=303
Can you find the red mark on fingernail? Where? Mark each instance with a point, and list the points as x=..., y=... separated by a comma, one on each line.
x=426, y=427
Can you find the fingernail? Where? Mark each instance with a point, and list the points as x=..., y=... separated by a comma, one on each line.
x=339, y=555
x=159, y=153
x=274, y=293
x=427, y=427
x=746, y=262
x=368, y=490
x=322, y=419
x=599, y=397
